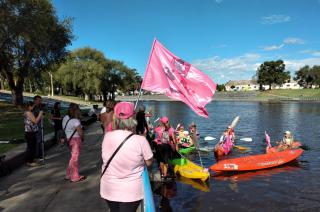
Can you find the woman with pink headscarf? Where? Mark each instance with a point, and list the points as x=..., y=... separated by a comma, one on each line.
x=121, y=183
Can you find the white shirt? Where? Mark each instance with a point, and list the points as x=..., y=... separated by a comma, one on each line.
x=103, y=110
x=71, y=126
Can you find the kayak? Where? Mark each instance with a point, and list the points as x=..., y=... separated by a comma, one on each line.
x=295, y=144
x=187, y=150
x=187, y=169
x=256, y=162
x=218, y=151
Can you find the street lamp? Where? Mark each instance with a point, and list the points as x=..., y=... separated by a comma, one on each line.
x=51, y=83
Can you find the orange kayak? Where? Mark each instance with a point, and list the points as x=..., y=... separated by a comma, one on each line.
x=256, y=162
x=295, y=144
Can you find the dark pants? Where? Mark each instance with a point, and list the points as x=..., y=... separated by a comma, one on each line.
x=31, y=146
x=123, y=206
x=39, y=153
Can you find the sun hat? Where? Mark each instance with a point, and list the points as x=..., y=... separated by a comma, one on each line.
x=164, y=119
x=287, y=132
x=186, y=132
x=124, y=110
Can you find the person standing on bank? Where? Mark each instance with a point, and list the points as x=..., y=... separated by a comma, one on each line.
x=31, y=128
x=121, y=183
x=37, y=107
x=57, y=120
x=106, y=116
x=73, y=129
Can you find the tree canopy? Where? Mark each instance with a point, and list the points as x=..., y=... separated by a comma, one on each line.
x=308, y=77
x=87, y=71
x=31, y=39
x=272, y=72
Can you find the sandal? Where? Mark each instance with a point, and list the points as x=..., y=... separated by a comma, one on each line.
x=82, y=178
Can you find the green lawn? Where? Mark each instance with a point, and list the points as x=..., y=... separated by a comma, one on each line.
x=12, y=127
x=301, y=93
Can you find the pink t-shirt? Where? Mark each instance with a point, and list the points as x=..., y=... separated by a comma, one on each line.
x=122, y=181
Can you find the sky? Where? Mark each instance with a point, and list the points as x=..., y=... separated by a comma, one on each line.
x=226, y=39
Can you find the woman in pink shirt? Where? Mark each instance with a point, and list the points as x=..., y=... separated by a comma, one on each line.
x=121, y=184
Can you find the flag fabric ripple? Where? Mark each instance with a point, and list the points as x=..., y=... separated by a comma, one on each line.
x=177, y=79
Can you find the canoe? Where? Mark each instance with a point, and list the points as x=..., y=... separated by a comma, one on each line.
x=256, y=162
x=187, y=169
x=187, y=150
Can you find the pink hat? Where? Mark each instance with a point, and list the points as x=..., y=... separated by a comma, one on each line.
x=124, y=110
x=164, y=119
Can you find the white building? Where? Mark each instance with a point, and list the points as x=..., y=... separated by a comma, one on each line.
x=252, y=85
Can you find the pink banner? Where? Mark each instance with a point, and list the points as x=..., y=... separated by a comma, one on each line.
x=177, y=79
x=268, y=140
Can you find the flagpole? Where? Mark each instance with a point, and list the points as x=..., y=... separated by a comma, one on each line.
x=154, y=41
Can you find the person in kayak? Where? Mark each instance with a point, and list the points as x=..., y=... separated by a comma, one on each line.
x=185, y=140
x=286, y=142
x=231, y=133
x=166, y=144
x=194, y=134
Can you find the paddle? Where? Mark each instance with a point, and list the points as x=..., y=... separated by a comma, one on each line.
x=209, y=138
x=241, y=147
x=246, y=139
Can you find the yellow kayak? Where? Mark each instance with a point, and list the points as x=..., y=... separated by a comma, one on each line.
x=190, y=170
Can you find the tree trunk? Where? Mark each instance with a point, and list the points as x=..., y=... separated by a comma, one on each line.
x=17, y=96
x=270, y=87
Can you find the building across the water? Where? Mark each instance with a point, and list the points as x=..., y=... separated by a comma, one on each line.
x=252, y=85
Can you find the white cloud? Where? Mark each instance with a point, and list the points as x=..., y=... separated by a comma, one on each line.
x=293, y=41
x=273, y=47
x=295, y=65
x=275, y=19
x=311, y=52
x=241, y=67
x=245, y=66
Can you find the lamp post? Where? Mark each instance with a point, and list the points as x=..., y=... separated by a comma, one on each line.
x=51, y=82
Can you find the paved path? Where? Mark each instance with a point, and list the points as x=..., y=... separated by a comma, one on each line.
x=44, y=188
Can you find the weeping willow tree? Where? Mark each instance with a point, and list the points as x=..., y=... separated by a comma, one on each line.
x=82, y=76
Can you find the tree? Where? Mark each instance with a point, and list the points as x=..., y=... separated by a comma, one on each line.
x=221, y=87
x=307, y=77
x=272, y=72
x=31, y=39
x=83, y=71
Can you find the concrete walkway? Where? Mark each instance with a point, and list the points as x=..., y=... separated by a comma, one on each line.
x=43, y=188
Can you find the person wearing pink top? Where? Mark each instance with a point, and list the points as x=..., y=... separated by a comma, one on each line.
x=166, y=144
x=73, y=129
x=121, y=184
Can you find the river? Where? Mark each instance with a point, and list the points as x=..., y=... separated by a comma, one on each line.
x=291, y=187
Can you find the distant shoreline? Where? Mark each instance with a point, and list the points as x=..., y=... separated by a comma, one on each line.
x=219, y=97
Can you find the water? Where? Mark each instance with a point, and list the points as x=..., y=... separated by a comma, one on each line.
x=292, y=187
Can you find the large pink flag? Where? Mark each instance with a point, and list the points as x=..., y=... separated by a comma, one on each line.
x=177, y=79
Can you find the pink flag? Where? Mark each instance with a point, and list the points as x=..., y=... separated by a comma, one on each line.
x=267, y=140
x=177, y=79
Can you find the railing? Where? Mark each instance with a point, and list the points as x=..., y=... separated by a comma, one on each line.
x=148, y=202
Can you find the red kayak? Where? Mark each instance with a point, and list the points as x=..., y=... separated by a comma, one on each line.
x=295, y=145
x=256, y=162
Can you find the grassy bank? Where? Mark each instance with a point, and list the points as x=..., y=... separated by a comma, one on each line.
x=12, y=126
x=302, y=93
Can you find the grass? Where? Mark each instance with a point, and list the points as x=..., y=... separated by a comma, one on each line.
x=12, y=126
x=301, y=93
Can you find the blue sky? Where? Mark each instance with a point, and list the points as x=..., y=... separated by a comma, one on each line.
x=226, y=39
